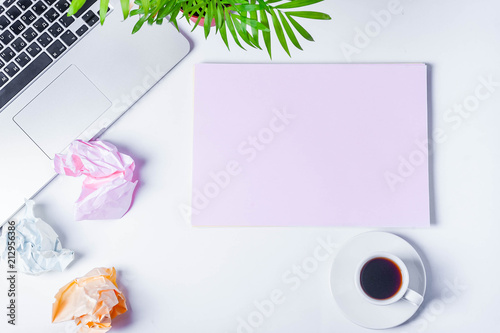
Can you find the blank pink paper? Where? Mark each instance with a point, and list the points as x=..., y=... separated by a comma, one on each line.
x=310, y=145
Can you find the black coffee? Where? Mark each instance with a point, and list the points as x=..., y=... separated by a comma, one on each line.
x=381, y=278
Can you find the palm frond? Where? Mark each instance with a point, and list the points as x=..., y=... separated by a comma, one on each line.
x=246, y=20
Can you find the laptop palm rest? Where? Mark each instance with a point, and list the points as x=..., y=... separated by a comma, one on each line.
x=62, y=111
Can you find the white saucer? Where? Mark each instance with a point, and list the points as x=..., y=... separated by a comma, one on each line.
x=349, y=299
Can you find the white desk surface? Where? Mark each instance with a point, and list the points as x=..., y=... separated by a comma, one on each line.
x=183, y=279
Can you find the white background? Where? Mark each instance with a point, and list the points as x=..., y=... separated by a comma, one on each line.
x=183, y=279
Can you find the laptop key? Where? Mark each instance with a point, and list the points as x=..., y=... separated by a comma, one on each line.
x=51, y=15
x=7, y=54
x=55, y=30
x=13, y=13
x=39, y=7
x=40, y=24
x=90, y=18
x=93, y=20
x=87, y=15
x=3, y=79
x=29, y=34
x=1, y=64
x=56, y=49
x=4, y=22
x=11, y=69
x=6, y=37
x=68, y=38
x=8, y=3
x=44, y=39
x=19, y=44
x=33, y=49
x=17, y=27
x=82, y=30
x=27, y=75
x=62, y=6
x=24, y=4
x=23, y=59
x=50, y=2
x=66, y=20
x=28, y=17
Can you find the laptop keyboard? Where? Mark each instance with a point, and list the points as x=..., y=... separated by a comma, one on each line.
x=33, y=35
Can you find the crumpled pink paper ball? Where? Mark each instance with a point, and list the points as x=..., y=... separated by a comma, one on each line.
x=108, y=189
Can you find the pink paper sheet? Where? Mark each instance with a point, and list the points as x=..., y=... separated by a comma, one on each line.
x=310, y=145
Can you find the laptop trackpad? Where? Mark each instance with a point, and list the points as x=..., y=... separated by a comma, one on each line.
x=62, y=111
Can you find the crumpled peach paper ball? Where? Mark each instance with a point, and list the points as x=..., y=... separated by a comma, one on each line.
x=92, y=301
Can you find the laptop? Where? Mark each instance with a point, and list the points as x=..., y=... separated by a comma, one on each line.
x=65, y=78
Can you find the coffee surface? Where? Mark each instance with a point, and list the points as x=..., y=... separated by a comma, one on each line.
x=381, y=278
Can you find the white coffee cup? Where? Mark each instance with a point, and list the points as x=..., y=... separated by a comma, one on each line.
x=403, y=293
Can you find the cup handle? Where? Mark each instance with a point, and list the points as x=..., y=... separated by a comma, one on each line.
x=413, y=297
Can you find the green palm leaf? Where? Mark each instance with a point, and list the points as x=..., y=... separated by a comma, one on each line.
x=103, y=9
x=279, y=31
x=289, y=31
x=303, y=32
x=311, y=15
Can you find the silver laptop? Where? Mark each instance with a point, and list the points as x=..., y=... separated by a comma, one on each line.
x=65, y=78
